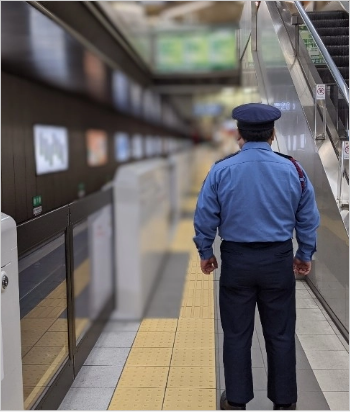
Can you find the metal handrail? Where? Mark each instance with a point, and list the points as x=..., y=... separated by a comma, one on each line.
x=329, y=61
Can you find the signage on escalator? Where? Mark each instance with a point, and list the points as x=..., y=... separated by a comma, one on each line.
x=320, y=92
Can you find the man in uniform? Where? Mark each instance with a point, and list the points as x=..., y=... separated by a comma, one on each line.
x=256, y=198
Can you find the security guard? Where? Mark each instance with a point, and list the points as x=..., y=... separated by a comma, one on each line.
x=256, y=198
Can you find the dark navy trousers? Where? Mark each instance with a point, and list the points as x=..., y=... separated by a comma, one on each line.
x=258, y=274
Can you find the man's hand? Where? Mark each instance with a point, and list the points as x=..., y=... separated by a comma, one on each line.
x=208, y=265
x=300, y=267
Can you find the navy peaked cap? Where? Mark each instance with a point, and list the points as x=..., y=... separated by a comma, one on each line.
x=255, y=116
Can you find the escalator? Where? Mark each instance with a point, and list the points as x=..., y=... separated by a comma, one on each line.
x=289, y=68
x=333, y=29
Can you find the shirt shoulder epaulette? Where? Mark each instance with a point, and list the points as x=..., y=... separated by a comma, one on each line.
x=227, y=157
x=297, y=167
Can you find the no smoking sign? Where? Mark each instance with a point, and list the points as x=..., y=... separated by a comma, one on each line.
x=346, y=150
x=320, y=92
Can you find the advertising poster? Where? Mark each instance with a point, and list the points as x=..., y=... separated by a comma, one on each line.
x=121, y=90
x=51, y=149
x=169, y=52
x=222, y=45
x=196, y=52
x=137, y=146
x=97, y=149
x=121, y=147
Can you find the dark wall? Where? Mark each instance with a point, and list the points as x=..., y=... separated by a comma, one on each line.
x=26, y=103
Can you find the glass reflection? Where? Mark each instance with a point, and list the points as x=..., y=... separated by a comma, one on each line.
x=44, y=329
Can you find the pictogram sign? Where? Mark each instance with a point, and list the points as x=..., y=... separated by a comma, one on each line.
x=320, y=92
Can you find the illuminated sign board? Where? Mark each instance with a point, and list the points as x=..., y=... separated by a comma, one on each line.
x=51, y=149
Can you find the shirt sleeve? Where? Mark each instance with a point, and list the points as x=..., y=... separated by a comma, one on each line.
x=206, y=217
x=307, y=222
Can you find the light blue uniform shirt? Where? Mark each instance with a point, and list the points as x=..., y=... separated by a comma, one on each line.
x=256, y=196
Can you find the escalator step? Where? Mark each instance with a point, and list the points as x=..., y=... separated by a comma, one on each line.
x=327, y=77
x=327, y=15
x=333, y=31
x=331, y=23
x=335, y=40
x=341, y=60
x=338, y=50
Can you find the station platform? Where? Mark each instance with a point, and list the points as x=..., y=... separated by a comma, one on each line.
x=172, y=359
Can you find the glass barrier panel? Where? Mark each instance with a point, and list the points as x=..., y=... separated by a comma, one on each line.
x=44, y=326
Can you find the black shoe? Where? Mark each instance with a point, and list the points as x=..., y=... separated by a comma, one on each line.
x=225, y=406
x=291, y=407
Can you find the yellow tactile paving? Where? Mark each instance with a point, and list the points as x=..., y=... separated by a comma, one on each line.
x=53, y=339
x=137, y=399
x=144, y=377
x=154, y=340
x=189, y=399
x=192, y=377
x=177, y=355
x=194, y=324
x=158, y=325
x=194, y=340
x=36, y=324
x=149, y=357
x=44, y=356
x=193, y=357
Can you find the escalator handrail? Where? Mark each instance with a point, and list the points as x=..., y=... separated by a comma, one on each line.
x=329, y=61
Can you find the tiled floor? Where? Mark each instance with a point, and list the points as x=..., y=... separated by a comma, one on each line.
x=153, y=366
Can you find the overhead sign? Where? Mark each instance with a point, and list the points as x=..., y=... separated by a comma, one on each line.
x=320, y=92
x=51, y=149
x=205, y=50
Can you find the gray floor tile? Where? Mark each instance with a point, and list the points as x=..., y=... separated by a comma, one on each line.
x=302, y=360
x=333, y=380
x=304, y=294
x=313, y=327
x=107, y=357
x=299, y=284
x=312, y=401
x=116, y=340
x=87, y=399
x=306, y=304
x=259, y=379
x=337, y=401
x=344, y=342
x=329, y=359
x=307, y=381
x=98, y=377
x=310, y=314
x=257, y=359
x=320, y=342
x=260, y=402
x=118, y=326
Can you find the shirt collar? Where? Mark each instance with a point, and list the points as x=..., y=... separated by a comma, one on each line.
x=256, y=145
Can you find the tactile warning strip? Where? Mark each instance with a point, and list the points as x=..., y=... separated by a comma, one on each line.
x=144, y=377
x=158, y=325
x=149, y=357
x=154, y=340
x=190, y=399
x=137, y=399
x=193, y=357
x=171, y=365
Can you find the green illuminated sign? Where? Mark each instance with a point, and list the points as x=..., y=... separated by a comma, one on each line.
x=36, y=201
x=204, y=50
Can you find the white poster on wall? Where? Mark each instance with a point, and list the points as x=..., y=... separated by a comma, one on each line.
x=121, y=147
x=137, y=146
x=51, y=149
